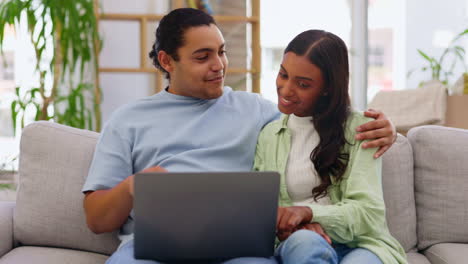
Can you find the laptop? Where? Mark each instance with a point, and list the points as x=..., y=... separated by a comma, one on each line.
x=202, y=217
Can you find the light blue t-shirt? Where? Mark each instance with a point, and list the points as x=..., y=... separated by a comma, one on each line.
x=181, y=134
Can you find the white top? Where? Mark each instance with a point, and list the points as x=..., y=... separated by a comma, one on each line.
x=301, y=176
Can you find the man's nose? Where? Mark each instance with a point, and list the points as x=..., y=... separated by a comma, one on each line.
x=217, y=64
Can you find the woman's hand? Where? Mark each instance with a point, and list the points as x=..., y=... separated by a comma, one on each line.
x=380, y=131
x=317, y=228
x=290, y=219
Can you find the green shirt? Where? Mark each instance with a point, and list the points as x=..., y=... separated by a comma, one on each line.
x=356, y=216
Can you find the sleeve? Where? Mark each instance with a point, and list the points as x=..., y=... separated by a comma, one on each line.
x=361, y=208
x=259, y=155
x=268, y=110
x=112, y=161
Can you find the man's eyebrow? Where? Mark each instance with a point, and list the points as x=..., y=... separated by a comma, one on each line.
x=202, y=50
x=207, y=49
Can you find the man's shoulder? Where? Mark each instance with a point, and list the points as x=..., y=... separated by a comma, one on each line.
x=274, y=127
x=131, y=109
x=244, y=95
x=250, y=101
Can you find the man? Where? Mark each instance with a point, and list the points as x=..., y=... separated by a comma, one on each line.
x=196, y=124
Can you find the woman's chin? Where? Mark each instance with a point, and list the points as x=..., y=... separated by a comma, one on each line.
x=285, y=110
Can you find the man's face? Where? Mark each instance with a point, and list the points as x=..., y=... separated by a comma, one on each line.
x=202, y=64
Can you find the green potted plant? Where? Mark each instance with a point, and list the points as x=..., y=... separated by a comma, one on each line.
x=438, y=67
x=7, y=173
x=65, y=38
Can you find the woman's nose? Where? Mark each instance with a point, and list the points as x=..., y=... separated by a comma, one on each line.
x=286, y=88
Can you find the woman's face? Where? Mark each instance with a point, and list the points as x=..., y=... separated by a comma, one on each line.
x=299, y=85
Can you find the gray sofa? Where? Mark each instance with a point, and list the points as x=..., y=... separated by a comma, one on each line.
x=425, y=182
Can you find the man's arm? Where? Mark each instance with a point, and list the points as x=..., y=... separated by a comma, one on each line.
x=107, y=210
x=380, y=131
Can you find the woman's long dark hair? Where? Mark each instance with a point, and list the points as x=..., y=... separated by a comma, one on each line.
x=329, y=53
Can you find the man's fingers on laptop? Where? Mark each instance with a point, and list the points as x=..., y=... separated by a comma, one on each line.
x=155, y=169
x=131, y=178
x=131, y=184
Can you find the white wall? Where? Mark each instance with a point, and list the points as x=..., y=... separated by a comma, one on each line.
x=424, y=18
x=121, y=48
x=281, y=21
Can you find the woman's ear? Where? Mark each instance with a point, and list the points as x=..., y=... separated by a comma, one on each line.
x=165, y=60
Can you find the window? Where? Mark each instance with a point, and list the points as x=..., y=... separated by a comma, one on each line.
x=282, y=20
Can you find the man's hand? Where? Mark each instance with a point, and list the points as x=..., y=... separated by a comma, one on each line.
x=381, y=131
x=131, y=179
x=317, y=228
x=290, y=219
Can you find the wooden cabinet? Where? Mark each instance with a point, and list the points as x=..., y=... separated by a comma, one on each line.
x=457, y=111
x=245, y=62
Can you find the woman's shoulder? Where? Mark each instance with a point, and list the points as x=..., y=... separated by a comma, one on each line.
x=275, y=125
x=271, y=129
x=355, y=119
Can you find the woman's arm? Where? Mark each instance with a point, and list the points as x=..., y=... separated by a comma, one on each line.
x=360, y=209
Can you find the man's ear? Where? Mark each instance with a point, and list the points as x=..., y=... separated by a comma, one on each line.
x=165, y=60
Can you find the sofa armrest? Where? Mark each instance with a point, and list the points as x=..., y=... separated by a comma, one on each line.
x=6, y=227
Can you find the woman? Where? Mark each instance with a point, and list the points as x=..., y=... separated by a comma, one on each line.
x=331, y=201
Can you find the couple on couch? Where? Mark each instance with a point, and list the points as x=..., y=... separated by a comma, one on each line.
x=331, y=205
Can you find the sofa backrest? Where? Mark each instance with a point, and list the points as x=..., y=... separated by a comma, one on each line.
x=441, y=184
x=398, y=189
x=54, y=162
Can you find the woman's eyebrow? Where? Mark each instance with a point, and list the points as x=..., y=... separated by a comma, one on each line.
x=304, y=78
x=298, y=77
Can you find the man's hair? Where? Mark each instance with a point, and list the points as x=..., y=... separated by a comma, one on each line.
x=171, y=29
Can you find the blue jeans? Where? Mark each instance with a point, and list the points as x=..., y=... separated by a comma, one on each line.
x=302, y=247
x=125, y=256
x=348, y=255
x=306, y=246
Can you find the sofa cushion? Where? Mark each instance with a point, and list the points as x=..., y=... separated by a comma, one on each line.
x=44, y=255
x=447, y=253
x=416, y=258
x=54, y=162
x=397, y=181
x=441, y=184
x=6, y=226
